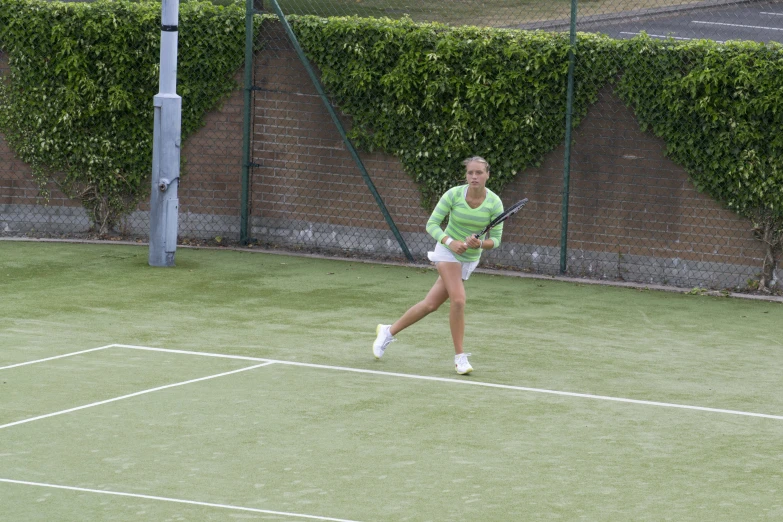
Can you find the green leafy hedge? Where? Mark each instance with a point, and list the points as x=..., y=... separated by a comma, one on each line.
x=78, y=103
x=719, y=108
x=433, y=95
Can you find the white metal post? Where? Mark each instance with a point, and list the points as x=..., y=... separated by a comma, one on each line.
x=164, y=202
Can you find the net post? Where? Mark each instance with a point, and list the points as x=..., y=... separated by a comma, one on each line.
x=167, y=135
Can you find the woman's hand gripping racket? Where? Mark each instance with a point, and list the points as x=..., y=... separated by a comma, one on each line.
x=510, y=211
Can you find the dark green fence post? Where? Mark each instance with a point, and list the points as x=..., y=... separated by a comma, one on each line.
x=244, y=228
x=567, y=162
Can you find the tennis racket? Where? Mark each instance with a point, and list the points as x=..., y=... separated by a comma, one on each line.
x=510, y=211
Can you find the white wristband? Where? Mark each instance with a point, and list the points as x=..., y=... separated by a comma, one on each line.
x=448, y=241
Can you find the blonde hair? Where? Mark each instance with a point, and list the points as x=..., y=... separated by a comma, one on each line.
x=478, y=159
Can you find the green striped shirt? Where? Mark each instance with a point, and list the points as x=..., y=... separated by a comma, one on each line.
x=464, y=221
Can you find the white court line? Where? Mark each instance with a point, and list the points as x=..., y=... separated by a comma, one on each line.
x=55, y=357
x=136, y=394
x=176, y=500
x=666, y=36
x=773, y=14
x=738, y=25
x=472, y=383
x=186, y=352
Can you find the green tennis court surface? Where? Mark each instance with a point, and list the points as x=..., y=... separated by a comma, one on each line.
x=242, y=386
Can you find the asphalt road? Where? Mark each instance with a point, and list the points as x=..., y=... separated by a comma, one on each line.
x=756, y=21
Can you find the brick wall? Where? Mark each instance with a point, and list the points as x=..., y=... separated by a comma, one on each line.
x=628, y=199
x=213, y=162
x=630, y=205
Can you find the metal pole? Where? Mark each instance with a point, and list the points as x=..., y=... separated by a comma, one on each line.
x=164, y=204
x=244, y=229
x=567, y=166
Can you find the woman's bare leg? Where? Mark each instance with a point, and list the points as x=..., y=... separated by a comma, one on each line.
x=451, y=276
x=435, y=297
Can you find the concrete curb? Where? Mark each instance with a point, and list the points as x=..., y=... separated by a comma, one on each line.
x=505, y=273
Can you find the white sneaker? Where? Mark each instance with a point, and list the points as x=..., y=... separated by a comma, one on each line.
x=461, y=363
x=383, y=339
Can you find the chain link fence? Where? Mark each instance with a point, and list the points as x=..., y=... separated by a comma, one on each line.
x=623, y=201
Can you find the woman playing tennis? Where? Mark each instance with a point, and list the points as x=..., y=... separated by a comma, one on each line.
x=470, y=208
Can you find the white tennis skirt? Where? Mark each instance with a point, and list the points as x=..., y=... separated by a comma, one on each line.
x=444, y=255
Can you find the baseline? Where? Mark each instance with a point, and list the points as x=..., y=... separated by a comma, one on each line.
x=467, y=382
x=175, y=500
x=135, y=394
x=56, y=357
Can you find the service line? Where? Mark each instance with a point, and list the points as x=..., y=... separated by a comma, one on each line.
x=135, y=394
x=471, y=383
x=55, y=357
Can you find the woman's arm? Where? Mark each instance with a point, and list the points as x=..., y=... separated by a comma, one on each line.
x=439, y=213
x=493, y=241
x=487, y=244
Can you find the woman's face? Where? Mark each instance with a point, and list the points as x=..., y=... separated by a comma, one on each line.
x=476, y=174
